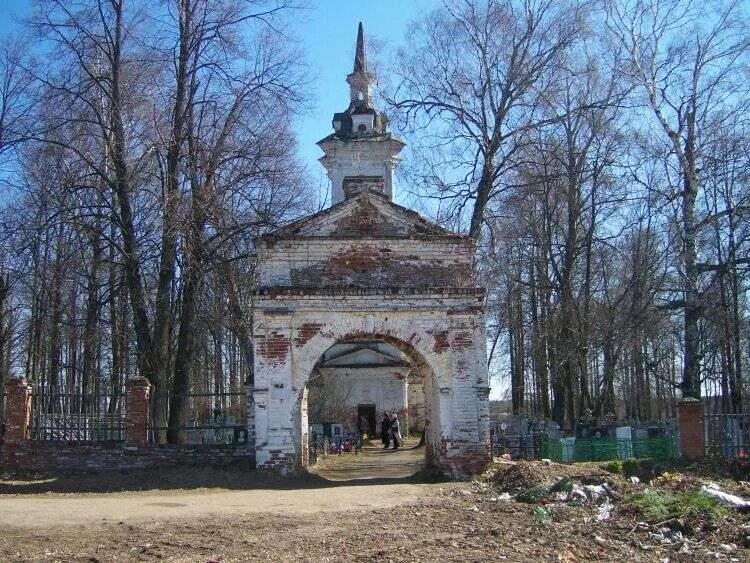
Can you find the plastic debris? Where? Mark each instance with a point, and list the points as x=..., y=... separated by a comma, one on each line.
x=595, y=492
x=733, y=501
x=577, y=494
x=534, y=494
x=542, y=515
x=505, y=497
x=563, y=484
x=635, y=480
x=605, y=511
x=588, y=494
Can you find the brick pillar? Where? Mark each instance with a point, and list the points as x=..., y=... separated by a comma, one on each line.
x=18, y=410
x=690, y=425
x=137, y=392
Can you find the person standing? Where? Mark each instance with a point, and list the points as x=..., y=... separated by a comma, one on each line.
x=395, y=431
x=385, y=430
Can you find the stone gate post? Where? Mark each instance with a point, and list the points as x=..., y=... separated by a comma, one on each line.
x=18, y=409
x=690, y=427
x=137, y=394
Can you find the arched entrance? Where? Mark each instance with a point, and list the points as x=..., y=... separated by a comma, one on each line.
x=367, y=267
x=441, y=347
x=358, y=380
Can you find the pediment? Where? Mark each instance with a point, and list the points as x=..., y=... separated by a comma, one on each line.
x=364, y=357
x=365, y=215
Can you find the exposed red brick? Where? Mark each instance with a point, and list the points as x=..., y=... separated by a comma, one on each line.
x=137, y=392
x=441, y=340
x=365, y=220
x=690, y=424
x=275, y=347
x=18, y=410
x=378, y=267
x=463, y=340
x=306, y=332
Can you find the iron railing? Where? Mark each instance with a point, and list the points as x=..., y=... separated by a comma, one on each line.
x=210, y=419
x=518, y=446
x=320, y=446
x=76, y=417
x=727, y=435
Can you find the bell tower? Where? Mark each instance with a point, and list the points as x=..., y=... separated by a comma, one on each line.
x=361, y=153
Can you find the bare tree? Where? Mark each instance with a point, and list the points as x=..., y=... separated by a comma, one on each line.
x=686, y=59
x=474, y=79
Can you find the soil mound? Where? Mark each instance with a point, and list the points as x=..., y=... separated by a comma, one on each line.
x=518, y=476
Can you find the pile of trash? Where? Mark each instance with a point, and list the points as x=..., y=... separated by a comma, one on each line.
x=565, y=491
x=543, y=487
x=517, y=477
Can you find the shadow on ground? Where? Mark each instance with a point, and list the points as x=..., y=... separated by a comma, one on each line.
x=367, y=468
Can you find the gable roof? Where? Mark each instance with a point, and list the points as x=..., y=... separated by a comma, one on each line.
x=368, y=214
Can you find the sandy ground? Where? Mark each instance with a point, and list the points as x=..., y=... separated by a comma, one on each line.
x=373, y=462
x=344, y=484
x=208, y=515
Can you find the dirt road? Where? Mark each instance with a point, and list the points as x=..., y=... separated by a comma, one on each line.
x=373, y=462
x=53, y=511
x=345, y=483
x=205, y=515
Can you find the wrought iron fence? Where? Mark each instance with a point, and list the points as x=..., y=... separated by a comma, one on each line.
x=320, y=446
x=727, y=435
x=76, y=417
x=518, y=446
x=209, y=419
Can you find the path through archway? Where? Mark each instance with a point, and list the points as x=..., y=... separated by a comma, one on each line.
x=355, y=387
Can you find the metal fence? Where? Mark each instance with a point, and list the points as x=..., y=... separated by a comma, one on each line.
x=727, y=435
x=608, y=449
x=210, y=419
x=76, y=417
x=320, y=446
x=518, y=446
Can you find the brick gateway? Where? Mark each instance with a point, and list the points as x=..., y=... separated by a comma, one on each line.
x=370, y=270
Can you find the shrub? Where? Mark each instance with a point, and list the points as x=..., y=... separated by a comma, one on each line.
x=657, y=506
x=614, y=466
x=630, y=467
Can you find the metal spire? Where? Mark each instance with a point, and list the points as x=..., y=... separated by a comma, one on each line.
x=360, y=62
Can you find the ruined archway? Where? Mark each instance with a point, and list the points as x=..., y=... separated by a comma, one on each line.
x=290, y=347
x=367, y=267
x=358, y=379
